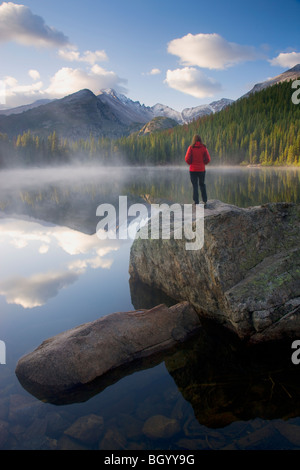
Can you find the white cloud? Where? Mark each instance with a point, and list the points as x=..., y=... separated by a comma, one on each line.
x=88, y=56
x=209, y=51
x=2, y=93
x=78, y=243
x=17, y=94
x=43, y=249
x=22, y=233
x=10, y=81
x=192, y=82
x=34, y=74
x=286, y=59
x=36, y=290
x=68, y=80
x=154, y=72
x=95, y=263
x=18, y=23
x=64, y=82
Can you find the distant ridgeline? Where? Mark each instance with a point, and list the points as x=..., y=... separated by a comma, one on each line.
x=262, y=128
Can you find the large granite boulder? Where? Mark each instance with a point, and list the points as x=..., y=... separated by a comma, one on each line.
x=246, y=276
x=79, y=356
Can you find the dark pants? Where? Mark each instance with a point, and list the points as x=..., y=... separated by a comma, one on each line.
x=198, y=176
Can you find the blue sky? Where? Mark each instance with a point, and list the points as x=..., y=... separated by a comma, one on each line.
x=179, y=53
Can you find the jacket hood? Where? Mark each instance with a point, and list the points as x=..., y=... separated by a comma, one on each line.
x=198, y=144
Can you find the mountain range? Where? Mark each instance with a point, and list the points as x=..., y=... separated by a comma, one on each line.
x=108, y=114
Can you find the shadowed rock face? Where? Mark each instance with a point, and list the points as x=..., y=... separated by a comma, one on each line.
x=246, y=276
x=80, y=355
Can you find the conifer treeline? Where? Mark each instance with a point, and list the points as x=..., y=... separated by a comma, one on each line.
x=29, y=149
x=263, y=128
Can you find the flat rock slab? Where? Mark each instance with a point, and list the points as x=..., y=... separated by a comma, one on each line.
x=81, y=355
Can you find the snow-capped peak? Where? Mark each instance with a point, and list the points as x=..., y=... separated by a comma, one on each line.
x=165, y=111
x=114, y=94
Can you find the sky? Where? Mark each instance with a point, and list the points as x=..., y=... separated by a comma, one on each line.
x=178, y=53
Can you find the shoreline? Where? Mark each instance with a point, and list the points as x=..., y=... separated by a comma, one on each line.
x=142, y=167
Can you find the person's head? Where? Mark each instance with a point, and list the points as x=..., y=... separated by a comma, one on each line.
x=196, y=138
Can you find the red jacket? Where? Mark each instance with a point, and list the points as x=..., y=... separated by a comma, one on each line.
x=197, y=157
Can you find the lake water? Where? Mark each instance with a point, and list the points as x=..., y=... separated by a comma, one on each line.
x=55, y=274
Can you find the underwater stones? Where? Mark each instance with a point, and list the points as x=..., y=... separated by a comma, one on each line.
x=4, y=427
x=160, y=427
x=112, y=440
x=22, y=408
x=86, y=429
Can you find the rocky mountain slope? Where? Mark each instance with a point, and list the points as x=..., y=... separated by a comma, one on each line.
x=288, y=75
x=124, y=108
x=158, y=124
x=21, y=109
x=76, y=116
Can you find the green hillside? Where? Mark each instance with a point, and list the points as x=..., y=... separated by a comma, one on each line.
x=263, y=128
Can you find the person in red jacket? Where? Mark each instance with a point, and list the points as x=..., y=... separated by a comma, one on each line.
x=197, y=157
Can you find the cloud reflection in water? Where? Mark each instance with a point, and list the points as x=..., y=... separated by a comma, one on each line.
x=37, y=242
x=37, y=289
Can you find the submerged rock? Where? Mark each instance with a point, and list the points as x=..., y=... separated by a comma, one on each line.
x=246, y=276
x=81, y=355
x=160, y=427
x=87, y=429
x=113, y=440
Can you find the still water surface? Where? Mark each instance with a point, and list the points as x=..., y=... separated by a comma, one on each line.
x=55, y=274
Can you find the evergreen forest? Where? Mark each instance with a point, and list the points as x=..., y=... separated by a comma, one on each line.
x=263, y=128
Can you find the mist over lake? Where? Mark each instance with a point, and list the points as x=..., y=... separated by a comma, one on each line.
x=55, y=274
x=236, y=185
